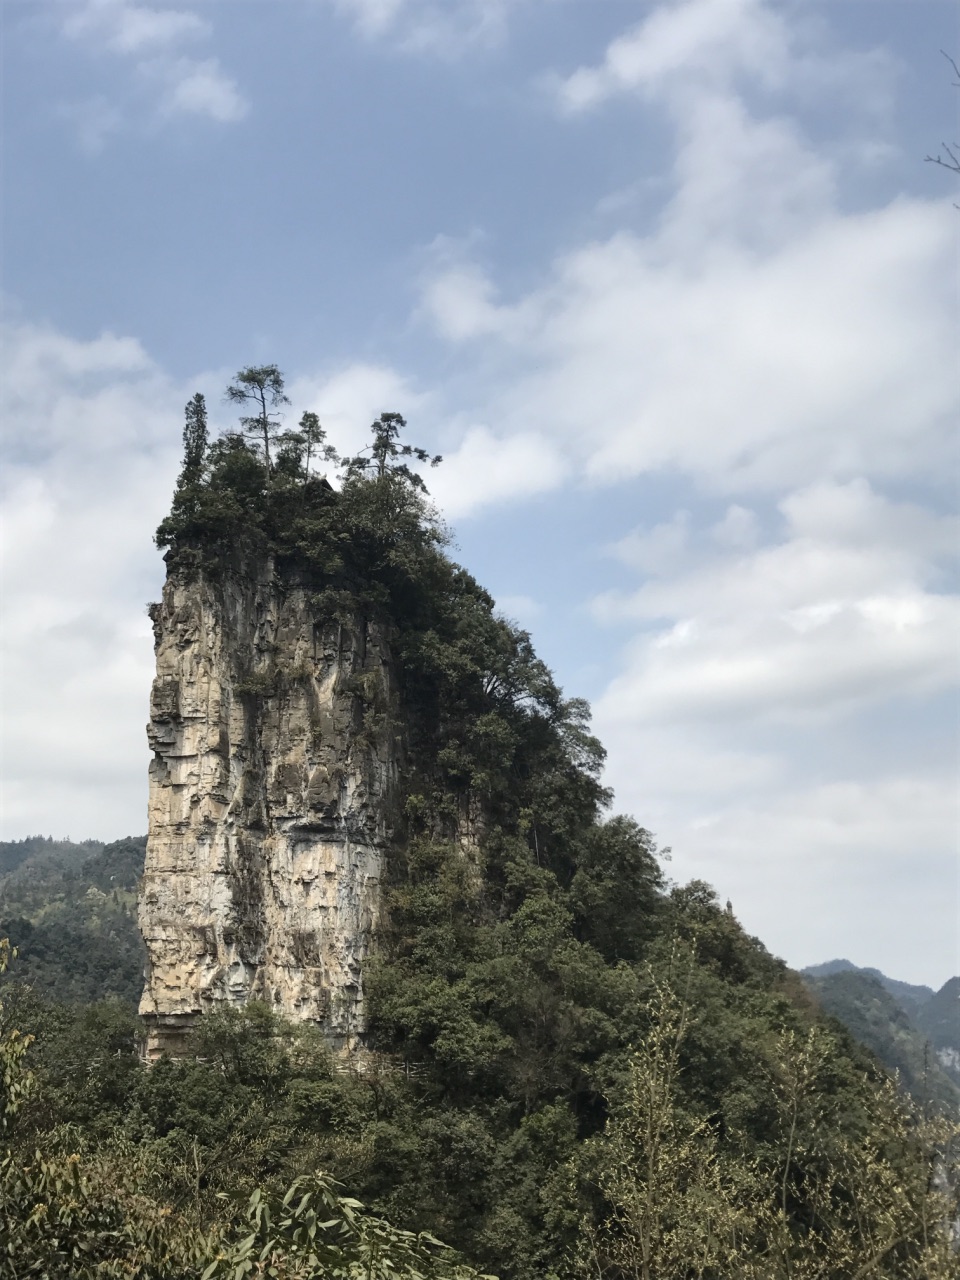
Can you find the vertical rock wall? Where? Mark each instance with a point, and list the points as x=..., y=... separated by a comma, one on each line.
x=273, y=760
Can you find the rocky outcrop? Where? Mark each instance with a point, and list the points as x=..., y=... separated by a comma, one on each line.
x=274, y=758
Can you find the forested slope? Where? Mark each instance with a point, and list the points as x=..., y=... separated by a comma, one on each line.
x=939, y=1018
x=70, y=910
x=913, y=1030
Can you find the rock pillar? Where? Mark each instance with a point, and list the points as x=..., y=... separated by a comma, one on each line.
x=274, y=758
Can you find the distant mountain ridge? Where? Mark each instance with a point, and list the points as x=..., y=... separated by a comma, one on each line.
x=900, y=1022
x=35, y=851
x=939, y=1018
x=909, y=995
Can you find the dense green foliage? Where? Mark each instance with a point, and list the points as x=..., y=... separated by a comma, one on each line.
x=70, y=910
x=574, y=1068
x=109, y=1170
x=114, y=1169
x=38, y=853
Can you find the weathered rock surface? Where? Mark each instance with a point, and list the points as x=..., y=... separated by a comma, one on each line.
x=274, y=757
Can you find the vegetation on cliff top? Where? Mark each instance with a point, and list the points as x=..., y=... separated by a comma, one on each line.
x=577, y=1069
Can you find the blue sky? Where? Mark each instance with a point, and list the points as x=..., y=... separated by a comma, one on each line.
x=671, y=288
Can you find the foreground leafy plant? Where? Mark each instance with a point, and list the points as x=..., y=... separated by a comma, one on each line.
x=315, y=1232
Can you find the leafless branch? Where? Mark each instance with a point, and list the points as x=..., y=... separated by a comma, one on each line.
x=956, y=69
x=949, y=157
x=951, y=161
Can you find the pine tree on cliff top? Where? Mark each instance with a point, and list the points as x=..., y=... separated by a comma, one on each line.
x=262, y=388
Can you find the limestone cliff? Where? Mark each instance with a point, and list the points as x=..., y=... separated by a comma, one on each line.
x=274, y=759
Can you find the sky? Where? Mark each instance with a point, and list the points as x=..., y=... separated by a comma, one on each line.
x=669, y=285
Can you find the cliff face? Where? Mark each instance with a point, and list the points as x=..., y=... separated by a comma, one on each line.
x=273, y=761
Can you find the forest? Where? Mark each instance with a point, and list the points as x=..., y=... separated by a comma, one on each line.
x=574, y=1067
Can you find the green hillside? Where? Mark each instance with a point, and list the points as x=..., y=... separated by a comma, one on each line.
x=940, y=1016
x=70, y=910
x=874, y=1017
x=910, y=996
x=37, y=852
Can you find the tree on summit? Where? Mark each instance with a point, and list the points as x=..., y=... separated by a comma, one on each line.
x=379, y=457
x=306, y=444
x=385, y=501
x=194, y=440
x=262, y=388
x=314, y=441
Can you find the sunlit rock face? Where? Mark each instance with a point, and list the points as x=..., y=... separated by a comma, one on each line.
x=274, y=760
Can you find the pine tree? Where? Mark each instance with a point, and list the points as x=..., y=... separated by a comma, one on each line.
x=379, y=457
x=194, y=440
x=260, y=386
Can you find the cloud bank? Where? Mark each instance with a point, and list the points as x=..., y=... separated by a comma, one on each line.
x=149, y=41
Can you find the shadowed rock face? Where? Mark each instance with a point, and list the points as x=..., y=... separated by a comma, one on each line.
x=273, y=759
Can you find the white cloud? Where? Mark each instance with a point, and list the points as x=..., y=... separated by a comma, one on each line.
x=831, y=354
x=79, y=397
x=760, y=334
x=705, y=42
x=202, y=89
x=812, y=660
x=91, y=450
x=691, y=48
x=373, y=17
x=859, y=867
x=738, y=528
x=126, y=28
x=839, y=614
x=486, y=469
x=659, y=550
x=441, y=27
x=853, y=515
x=522, y=609
x=744, y=181
x=480, y=468
x=36, y=352
x=772, y=721
x=151, y=39
x=859, y=864
x=459, y=300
